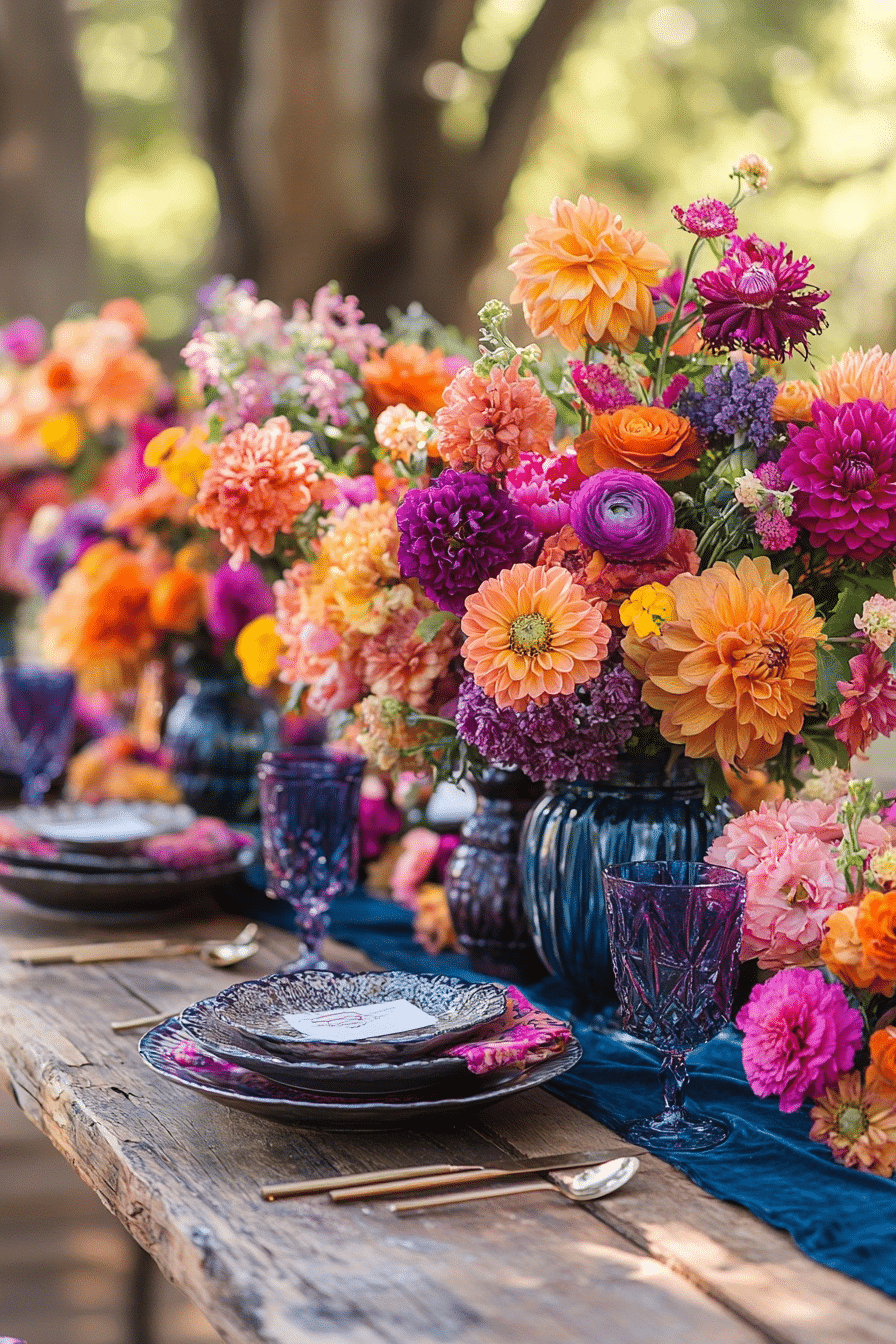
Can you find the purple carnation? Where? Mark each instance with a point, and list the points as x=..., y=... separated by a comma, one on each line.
x=758, y=300
x=623, y=514
x=46, y=558
x=458, y=532
x=800, y=1035
x=599, y=387
x=24, y=340
x=543, y=486
x=843, y=469
x=236, y=597
x=577, y=736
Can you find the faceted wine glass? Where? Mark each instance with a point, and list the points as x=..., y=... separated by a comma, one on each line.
x=675, y=931
x=37, y=721
x=310, y=798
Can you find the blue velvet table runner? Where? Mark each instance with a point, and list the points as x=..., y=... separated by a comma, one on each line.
x=844, y=1219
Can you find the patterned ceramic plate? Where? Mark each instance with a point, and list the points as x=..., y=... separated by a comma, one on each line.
x=257, y=1009
x=102, y=828
x=246, y=1091
x=321, y=1075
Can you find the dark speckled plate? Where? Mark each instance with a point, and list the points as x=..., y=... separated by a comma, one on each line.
x=321, y=1075
x=246, y=1091
x=256, y=1010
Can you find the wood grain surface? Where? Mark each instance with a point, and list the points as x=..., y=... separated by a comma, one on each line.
x=659, y=1260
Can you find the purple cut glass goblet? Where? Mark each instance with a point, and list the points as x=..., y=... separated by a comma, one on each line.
x=309, y=799
x=37, y=720
x=675, y=931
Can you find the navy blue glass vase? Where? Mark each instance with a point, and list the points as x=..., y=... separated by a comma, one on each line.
x=578, y=828
x=216, y=733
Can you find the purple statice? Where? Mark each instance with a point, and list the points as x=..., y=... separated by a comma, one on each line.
x=758, y=300
x=576, y=736
x=599, y=387
x=458, y=532
x=56, y=541
x=544, y=486
x=24, y=340
x=731, y=405
x=236, y=597
x=707, y=218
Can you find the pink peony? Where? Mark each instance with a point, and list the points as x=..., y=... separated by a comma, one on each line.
x=419, y=851
x=800, y=1035
x=260, y=480
x=338, y=687
x=487, y=422
x=868, y=709
x=544, y=486
x=791, y=891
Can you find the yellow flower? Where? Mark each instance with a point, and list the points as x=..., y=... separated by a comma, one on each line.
x=258, y=647
x=181, y=457
x=62, y=436
x=648, y=609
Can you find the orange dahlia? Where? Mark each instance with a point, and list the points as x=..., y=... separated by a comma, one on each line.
x=406, y=375
x=736, y=669
x=532, y=633
x=860, y=373
x=793, y=400
x=843, y=954
x=640, y=438
x=582, y=276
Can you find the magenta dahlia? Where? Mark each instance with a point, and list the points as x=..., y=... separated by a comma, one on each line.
x=707, y=218
x=843, y=469
x=868, y=709
x=544, y=486
x=758, y=300
x=599, y=387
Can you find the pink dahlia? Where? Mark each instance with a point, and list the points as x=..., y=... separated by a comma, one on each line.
x=843, y=469
x=758, y=300
x=398, y=663
x=260, y=480
x=487, y=422
x=707, y=218
x=800, y=1035
x=599, y=387
x=544, y=487
x=868, y=709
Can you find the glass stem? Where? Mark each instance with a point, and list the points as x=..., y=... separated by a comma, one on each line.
x=674, y=1078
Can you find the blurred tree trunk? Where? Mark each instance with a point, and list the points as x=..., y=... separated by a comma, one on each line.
x=352, y=176
x=44, y=155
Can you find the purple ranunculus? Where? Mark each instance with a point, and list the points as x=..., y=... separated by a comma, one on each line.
x=236, y=597
x=24, y=340
x=56, y=541
x=623, y=514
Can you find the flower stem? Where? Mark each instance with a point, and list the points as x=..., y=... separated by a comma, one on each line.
x=676, y=315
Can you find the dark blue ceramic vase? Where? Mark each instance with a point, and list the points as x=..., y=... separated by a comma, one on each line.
x=579, y=828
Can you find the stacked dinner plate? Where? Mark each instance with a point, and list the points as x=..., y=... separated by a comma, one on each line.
x=84, y=860
x=346, y=1051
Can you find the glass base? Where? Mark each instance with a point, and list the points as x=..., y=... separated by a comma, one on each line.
x=676, y=1131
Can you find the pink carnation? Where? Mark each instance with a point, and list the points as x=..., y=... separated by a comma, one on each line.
x=487, y=422
x=260, y=480
x=800, y=1034
x=544, y=487
x=868, y=709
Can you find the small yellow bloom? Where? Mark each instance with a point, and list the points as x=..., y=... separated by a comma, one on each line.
x=258, y=647
x=882, y=866
x=181, y=457
x=62, y=436
x=648, y=609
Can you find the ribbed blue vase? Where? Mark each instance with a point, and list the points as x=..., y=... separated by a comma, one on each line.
x=579, y=828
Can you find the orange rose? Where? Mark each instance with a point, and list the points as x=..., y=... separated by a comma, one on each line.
x=405, y=374
x=640, y=438
x=842, y=952
x=59, y=377
x=882, y=1069
x=793, y=401
x=876, y=927
x=177, y=601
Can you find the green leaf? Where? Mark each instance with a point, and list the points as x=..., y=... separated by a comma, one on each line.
x=429, y=627
x=833, y=666
x=852, y=598
x=824, y=749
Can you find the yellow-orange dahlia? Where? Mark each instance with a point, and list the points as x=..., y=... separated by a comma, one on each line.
x=405, y=374
x=532, y=633
x=793, y=400
x=581, y=275
x=736, y=669
x=860, y=373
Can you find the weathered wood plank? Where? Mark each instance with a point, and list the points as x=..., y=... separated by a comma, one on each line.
x=183, y=1177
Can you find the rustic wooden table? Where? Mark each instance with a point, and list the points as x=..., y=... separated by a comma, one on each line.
x=660, y=1260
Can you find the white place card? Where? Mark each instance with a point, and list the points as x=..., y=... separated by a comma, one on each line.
x=357, y=1024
